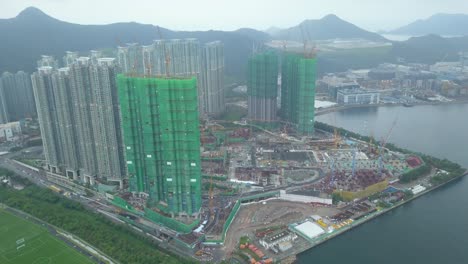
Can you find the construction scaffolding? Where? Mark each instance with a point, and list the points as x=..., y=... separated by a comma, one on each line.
x=306, y=96
x=162, y=141
x=262, y=86
x=289, y=84
x=298, y=92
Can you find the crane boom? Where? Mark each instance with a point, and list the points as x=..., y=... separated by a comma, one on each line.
x=385, y=139
x=210, y=196
x=167, y=59
x=382, y=145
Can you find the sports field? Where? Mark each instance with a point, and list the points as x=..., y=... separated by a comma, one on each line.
x=22, y=241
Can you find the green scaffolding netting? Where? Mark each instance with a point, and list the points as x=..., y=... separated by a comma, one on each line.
x=262, y=77
x=162, y=140
x=298, y=92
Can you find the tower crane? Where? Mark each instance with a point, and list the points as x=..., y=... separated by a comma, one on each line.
x=304, y=40
x=211, y=197
x=354, y=162
x=332, y=172
x=336, y=138
x=371, y=141
x=313, y=50
x=307, y=53
x=382, y=146
x=132, y=71
x=167, y=58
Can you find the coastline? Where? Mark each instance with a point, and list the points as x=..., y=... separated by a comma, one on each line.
x=366, y=219
x=323, y=111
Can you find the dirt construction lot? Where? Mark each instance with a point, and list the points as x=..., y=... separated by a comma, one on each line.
x=274, y=212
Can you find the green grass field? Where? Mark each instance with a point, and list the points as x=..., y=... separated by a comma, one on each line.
x=38, y=247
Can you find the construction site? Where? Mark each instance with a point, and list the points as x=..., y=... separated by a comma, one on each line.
x=254, y=178
x=258, y=189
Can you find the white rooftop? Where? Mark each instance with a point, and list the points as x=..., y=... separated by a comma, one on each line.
x=309, y=229
x=323, y=104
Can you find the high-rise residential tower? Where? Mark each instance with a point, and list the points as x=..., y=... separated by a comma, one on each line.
x=105, y=119
x=162, y=141
x=48, y=61
x=18, y=95
x=181, y=58
x=79, y=118
x=65, y=126
x=262, y=87
x=48, y=119
x=3, y=106
x=211, y=89
x=94, y=55
x=129, y=58
x=12, y=98
x=298, y=92
x=69, y=58
x=80, y=83
x=25, y=92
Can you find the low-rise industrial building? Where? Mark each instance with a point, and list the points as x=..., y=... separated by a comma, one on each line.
x=418, y=189
x=277, y=238
x=10, y=131
x=308, y=230
x=358, y=96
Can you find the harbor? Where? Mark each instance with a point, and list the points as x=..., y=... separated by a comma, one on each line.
x=326, y=237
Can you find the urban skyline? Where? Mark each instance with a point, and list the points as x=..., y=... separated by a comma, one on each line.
x=137, y=143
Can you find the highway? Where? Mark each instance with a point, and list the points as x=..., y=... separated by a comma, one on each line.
x=32, y=175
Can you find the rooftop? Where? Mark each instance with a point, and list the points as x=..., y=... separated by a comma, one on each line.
x=356, y=91
x=309, y=229
x=276, y=236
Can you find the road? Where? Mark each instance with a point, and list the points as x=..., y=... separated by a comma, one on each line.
x=95, y=203
x=32, y=175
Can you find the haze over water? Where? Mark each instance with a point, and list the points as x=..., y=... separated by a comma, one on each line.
x=432, y=229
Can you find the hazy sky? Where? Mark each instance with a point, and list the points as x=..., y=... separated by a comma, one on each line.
x=233, y=14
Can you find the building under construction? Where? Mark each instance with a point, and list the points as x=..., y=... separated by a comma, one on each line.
x=162, y=142
x=262, y=87
x=298, y=92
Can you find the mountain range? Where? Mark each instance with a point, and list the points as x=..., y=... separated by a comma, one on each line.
x=439, y=24
x=430, y=48
x=328, y=27
x=33, y=33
